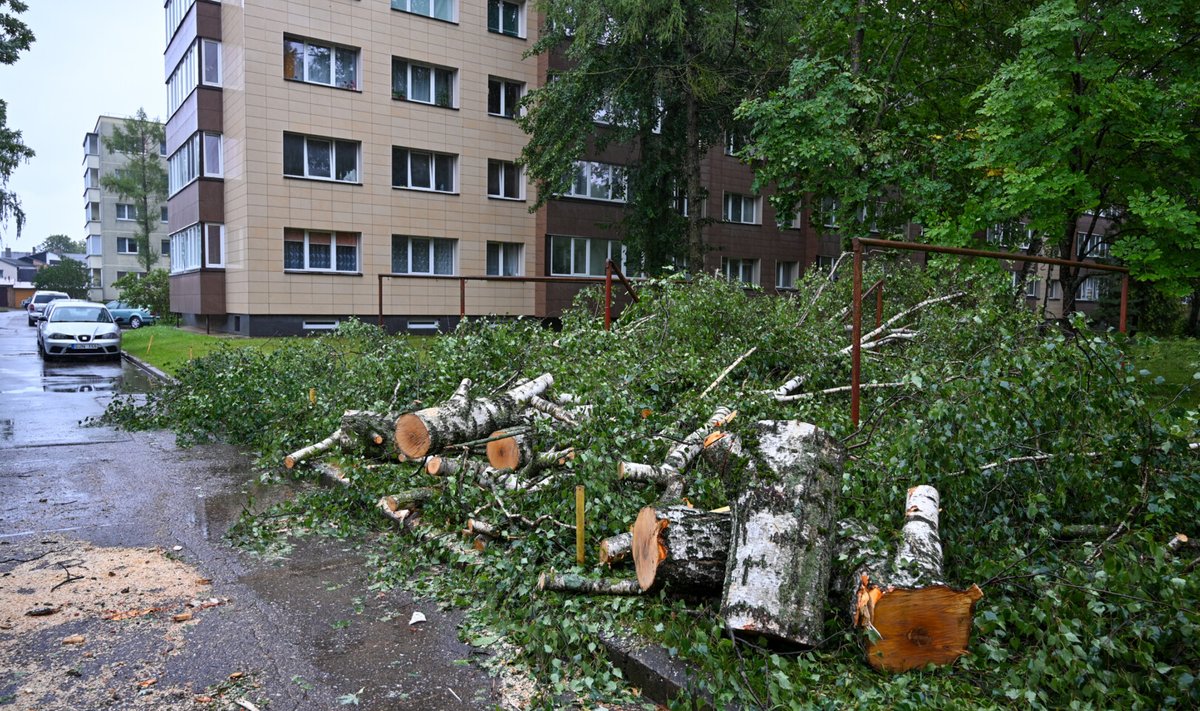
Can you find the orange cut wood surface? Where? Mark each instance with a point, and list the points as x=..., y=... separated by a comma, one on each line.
x=647, y=550
x=922, y=626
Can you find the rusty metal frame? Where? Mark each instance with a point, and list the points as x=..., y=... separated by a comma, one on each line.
x=610, y=270
x=856, y=331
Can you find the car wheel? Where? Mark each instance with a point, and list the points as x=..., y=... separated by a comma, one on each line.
x=32, y=322
x=135, y=322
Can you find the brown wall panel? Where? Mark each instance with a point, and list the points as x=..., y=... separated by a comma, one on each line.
x=201, y=201
x=201, y=111
x=201, y=292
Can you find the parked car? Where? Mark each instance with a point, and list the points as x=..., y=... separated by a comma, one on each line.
x=73, y=327
x=37, y=303
x=132, y=316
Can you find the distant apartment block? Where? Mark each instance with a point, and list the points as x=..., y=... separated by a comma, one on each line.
x=110, y=221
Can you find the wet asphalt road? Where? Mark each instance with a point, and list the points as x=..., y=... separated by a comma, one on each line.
x=305, y=629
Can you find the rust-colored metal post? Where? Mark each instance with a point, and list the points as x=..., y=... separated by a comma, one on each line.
x=608, y=274
x=856, y=334
x=879, y=305
x=380, y=300
x=1124, y=301
x=462, y=299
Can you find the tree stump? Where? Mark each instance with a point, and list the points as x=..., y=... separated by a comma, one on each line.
x=783, y=523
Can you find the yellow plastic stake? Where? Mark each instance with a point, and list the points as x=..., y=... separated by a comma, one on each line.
x=189, y=352
x=579, y=524
x=312, y=396
x=149, y=343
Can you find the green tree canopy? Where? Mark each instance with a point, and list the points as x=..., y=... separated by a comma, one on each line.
x=151, y=290
x=15, y=37
x=666, y=76
x=142, y=179
x=68, y=275
x=61, y=244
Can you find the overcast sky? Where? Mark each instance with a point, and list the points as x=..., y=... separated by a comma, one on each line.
x=90, y=58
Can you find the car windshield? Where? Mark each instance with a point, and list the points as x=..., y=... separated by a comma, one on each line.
x=80, y=314
x=45, y=298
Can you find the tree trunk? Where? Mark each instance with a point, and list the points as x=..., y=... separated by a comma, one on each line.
x=913, y=619
x=579, y=584
x=461, y=419
x=337, y=439
x=783, y=522
x=682, y=548
x=509, y=452
x=616, y=548
x=669, y=474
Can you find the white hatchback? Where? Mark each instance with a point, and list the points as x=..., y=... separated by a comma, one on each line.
x=78, y=328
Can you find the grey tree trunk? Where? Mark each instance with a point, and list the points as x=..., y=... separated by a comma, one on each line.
x=681, y=548
x=783, y=523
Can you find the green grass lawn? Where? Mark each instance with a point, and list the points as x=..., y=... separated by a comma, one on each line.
x=1176, y=361
x=168, y=348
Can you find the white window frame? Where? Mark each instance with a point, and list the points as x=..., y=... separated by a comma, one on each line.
x=587, y=172
x=210, y=48
x=829, y=208
x=503, y=250
x=183, y=167
x=333, y=48
x=123, y=244
x=185, y=249
x=125, y=212
x=737, y=270
x=431, y=255
x=95, y=245
x=1054, y=290
x=501, y=28
x=175, y=11
x=333, y=257
x=734, y=142
x=595, y=252
x=184, y=78
x=502, y=180
x=334, y=145
x=741, y=201
x=1094, y=247
x=506, y=111
x=433, y=176
x=213, y=152
x=163, y=214
x=209, y=261
x=408, y=6
x=1090, y=289
x=786, y=274
x=433, y=70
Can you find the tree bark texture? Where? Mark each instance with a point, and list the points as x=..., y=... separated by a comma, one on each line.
x=337, y=439
x=780, y=554
x=682, y=548
x=670, y=473
x=566, y=582
x=461, y=419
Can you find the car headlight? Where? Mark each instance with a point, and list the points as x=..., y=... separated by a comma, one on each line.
x=110, y=336
x=60, y=337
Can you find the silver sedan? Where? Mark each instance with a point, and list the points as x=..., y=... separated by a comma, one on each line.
x=78, y=328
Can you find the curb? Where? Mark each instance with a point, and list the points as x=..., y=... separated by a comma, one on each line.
x=147, y=368
x=661, y=677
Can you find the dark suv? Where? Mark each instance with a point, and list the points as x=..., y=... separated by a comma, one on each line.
x=37, y=303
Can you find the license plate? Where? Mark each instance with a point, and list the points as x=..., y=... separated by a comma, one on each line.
x=84, y=346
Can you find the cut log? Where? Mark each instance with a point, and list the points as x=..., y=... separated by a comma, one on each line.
x=479, y=527
x=461, y=419
x=616, y=548
x=913, y=618
x=410, y=499
x=669, y=474
x=509, y=452
x=337, y=439
x=449, y=466
x=588, y=586
x=783, y=522
x=367, y=425
x=681, y=547
x=860, y=551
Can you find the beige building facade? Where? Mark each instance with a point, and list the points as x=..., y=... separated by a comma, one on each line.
x=317, y=144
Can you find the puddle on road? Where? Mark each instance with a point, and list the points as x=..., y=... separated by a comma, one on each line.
x=239, y=488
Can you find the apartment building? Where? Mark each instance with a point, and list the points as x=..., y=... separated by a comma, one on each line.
x=315, y=145
x=110, y=221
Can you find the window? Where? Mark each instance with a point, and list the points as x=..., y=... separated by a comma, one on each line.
x=126, y=212
x=176, y=10
x=423, y=170
x=95, y=245
x=127, y=245
x=504, y=258
x=164, y=248
x=506, y=18
x=785, y=274
x=734, y=142
x=1089, y=289
x=162, y=148
x=320, y=158
x=597, y=181
x=91, y=144
x=183, y=80
x=1054, y=290
x=1092, y=246
x=210, y=70
x=185, y=249
x=423, y=255
x=212, y=161
x=740, y=270
x=829, y=208
x=319, y=251
x=91, y=212
x=184, y=165
x=583, y=256
x=214, y=245
x=1007, y=235
x=1031, y=282
x=422, y=83
x=91, y=179
x=163, y=213
x=741, y=208
x=437, y=9
x=504, y=180
x=824, y=263
x=503, y=96
x=320, y=63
